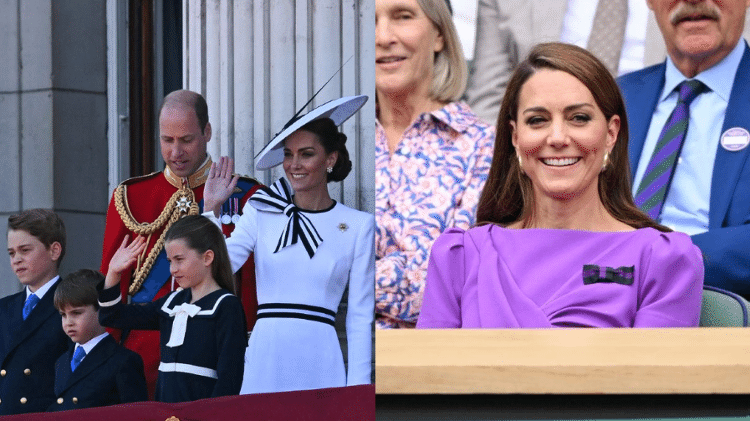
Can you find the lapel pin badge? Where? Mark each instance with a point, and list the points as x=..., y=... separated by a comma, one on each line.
x=343, y=227
x=735, y=139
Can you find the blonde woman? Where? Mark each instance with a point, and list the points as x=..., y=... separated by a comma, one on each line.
x=432, y=153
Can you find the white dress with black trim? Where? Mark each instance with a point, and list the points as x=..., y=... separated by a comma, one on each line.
x=294, y=345
x=201, y=344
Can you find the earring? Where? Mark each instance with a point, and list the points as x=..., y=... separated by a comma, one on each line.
x=520, y=164
x=606, y=160
x=329, y=170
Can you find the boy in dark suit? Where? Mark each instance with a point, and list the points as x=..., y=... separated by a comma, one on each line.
x=31, y=338
x=96, y=371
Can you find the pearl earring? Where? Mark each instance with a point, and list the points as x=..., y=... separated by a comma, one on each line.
x=329, y=170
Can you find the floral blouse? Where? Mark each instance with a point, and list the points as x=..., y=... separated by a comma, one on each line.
x=431, y=182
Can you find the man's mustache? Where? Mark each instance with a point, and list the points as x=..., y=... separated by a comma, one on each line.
x=686, y=11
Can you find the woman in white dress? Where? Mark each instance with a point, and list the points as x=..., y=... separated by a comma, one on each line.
x=307, y=248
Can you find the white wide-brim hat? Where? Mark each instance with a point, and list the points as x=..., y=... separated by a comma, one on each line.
x=338, y=110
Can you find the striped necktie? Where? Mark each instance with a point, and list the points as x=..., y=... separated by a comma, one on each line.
x=656, y=180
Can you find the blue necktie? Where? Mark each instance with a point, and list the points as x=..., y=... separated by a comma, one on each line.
x=77, y=357
x=31, y=302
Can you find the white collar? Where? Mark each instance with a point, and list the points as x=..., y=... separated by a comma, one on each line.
x=719, y=78
x=43, y=289
x=203, y=312
x=180, y=314
x=88, y=346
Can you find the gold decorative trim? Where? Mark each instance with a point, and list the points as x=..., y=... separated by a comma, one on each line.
x=180, y=204
x=194, y=180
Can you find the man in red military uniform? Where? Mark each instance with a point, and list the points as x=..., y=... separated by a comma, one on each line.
x=149, y=205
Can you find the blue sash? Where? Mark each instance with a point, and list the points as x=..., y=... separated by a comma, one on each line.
x=159, y=274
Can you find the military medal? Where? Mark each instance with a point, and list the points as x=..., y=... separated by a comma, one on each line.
x=183, y=204
x=236, y=212
x=225, y=218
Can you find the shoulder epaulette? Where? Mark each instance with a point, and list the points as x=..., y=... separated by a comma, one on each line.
x=246, y=183
x=132, y=180
x=246, y=177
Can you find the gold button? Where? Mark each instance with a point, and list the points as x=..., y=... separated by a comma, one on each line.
x=27, y=372
x=60, y=400
x=3, y=373
x=75, y=400
x=24, y=400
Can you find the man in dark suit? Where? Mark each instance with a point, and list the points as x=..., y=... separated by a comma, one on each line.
x=689, y=121
x=96, y=371
x=31, y=337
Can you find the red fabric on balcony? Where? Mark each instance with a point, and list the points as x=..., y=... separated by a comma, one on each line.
x=341, y=403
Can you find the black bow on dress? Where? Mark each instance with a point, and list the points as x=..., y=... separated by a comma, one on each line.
x=278, y=199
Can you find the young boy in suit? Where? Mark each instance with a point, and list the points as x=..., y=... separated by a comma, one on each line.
x=96, y=371
x=31, y=337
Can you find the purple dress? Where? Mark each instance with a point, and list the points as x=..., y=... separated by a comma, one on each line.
x=495, y=277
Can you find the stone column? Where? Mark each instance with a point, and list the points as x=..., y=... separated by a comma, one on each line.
x=53, y=116
x=258, y=61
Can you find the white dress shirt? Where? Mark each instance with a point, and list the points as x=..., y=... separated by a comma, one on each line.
x=43, y=289
x=89, y=346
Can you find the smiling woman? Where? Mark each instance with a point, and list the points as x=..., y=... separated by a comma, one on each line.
x=307, y=250
x=562, y=138
x=560, y=242
x=408, y=65
x=432, y=154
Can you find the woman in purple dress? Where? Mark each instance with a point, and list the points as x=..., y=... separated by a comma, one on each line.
x=559, y=241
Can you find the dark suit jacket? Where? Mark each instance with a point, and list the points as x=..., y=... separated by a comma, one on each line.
x=110, y=374
x=726, y=245
x=28, y=350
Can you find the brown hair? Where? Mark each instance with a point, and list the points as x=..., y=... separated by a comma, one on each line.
x=78, y=289
x=508, y=195
x=332, y=140
x=189, y=99
x=43, y=224
x=201, y=235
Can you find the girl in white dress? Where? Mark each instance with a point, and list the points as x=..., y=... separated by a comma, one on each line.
x=307, y=249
